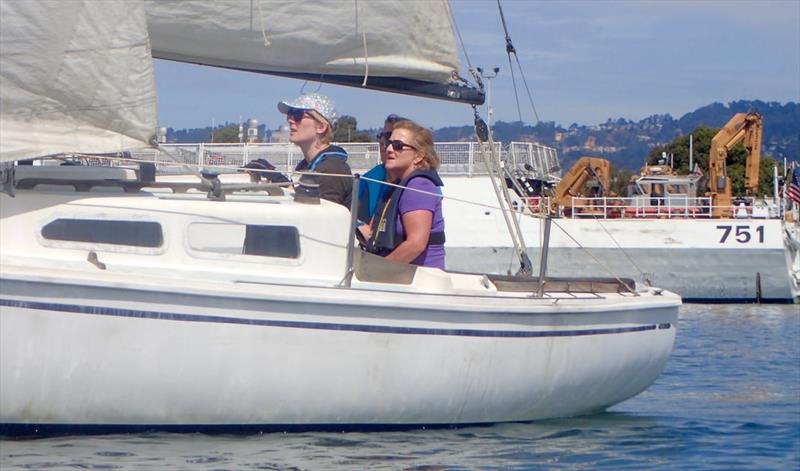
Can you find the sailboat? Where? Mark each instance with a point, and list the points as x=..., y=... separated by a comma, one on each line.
x=130, y=304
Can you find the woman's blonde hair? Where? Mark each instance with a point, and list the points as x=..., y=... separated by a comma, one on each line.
x=326, y=137
x=422, y=139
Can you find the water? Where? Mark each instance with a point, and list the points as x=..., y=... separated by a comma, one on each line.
x=729, y=398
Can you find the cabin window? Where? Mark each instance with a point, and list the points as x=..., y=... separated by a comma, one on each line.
x=103, y=231
x=633, y=190
x=677, y=189
x=272, y=241
x=252, y=239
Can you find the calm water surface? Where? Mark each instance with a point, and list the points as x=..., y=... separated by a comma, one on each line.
x=728, y=399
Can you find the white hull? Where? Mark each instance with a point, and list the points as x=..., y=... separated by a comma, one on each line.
x=77, y=356
x=692, y=257
x=190, y=327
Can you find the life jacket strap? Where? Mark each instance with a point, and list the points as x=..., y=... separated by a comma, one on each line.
x=436, y=238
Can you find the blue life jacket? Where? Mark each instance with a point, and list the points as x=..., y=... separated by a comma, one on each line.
x=330, y=151
x=371, y=193
x=385, y=233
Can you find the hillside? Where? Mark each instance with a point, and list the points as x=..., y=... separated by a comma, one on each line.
x=626, y=143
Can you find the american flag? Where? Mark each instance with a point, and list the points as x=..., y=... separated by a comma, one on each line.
x=794, y=187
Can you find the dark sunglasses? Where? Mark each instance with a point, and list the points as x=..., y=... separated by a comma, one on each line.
x=398, y=145
x=382, y=137
x=296, y=114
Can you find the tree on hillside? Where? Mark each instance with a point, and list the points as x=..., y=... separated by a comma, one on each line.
x=701, y=144
x=620, y=177
x=346, y=130
x=765, y=186
x=226, y=133
x=679, y=148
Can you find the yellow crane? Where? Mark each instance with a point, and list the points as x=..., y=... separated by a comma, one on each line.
x=585, y=169
x=747, y=127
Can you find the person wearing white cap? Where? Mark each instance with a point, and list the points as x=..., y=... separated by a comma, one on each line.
x=311, y=118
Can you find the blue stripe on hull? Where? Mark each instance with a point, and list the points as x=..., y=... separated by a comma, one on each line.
x=752, y=300
x=169, y=316
x=22, y=430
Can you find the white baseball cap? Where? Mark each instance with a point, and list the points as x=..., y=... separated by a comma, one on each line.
x=312, y=101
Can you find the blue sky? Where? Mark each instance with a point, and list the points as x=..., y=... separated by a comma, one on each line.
x=585, y=61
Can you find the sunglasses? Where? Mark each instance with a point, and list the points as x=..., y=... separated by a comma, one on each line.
x=295, y=114
x=382, y=137
x=398, y=145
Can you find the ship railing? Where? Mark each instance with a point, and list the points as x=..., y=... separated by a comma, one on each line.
x=639, y=207
x=457, y=158
x=542, y=159
x=538, y=205
x=683, y=207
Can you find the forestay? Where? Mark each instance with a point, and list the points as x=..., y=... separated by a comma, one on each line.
x=406, y=47
x=74, y=77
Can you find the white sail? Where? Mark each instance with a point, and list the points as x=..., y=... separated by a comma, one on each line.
x=75, y=76
x=377, y=44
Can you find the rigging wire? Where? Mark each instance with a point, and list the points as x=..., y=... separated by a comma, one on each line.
x=460, y=39
x=527, y=89
x=495, y=169
x=510, y=49
x=514, y=85
x=471, y=69
x=624, y=252
x=198, y=172
x=589, y=253
x=493, y=165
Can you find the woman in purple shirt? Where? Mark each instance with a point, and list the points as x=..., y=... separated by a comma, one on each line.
x=409, y=226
